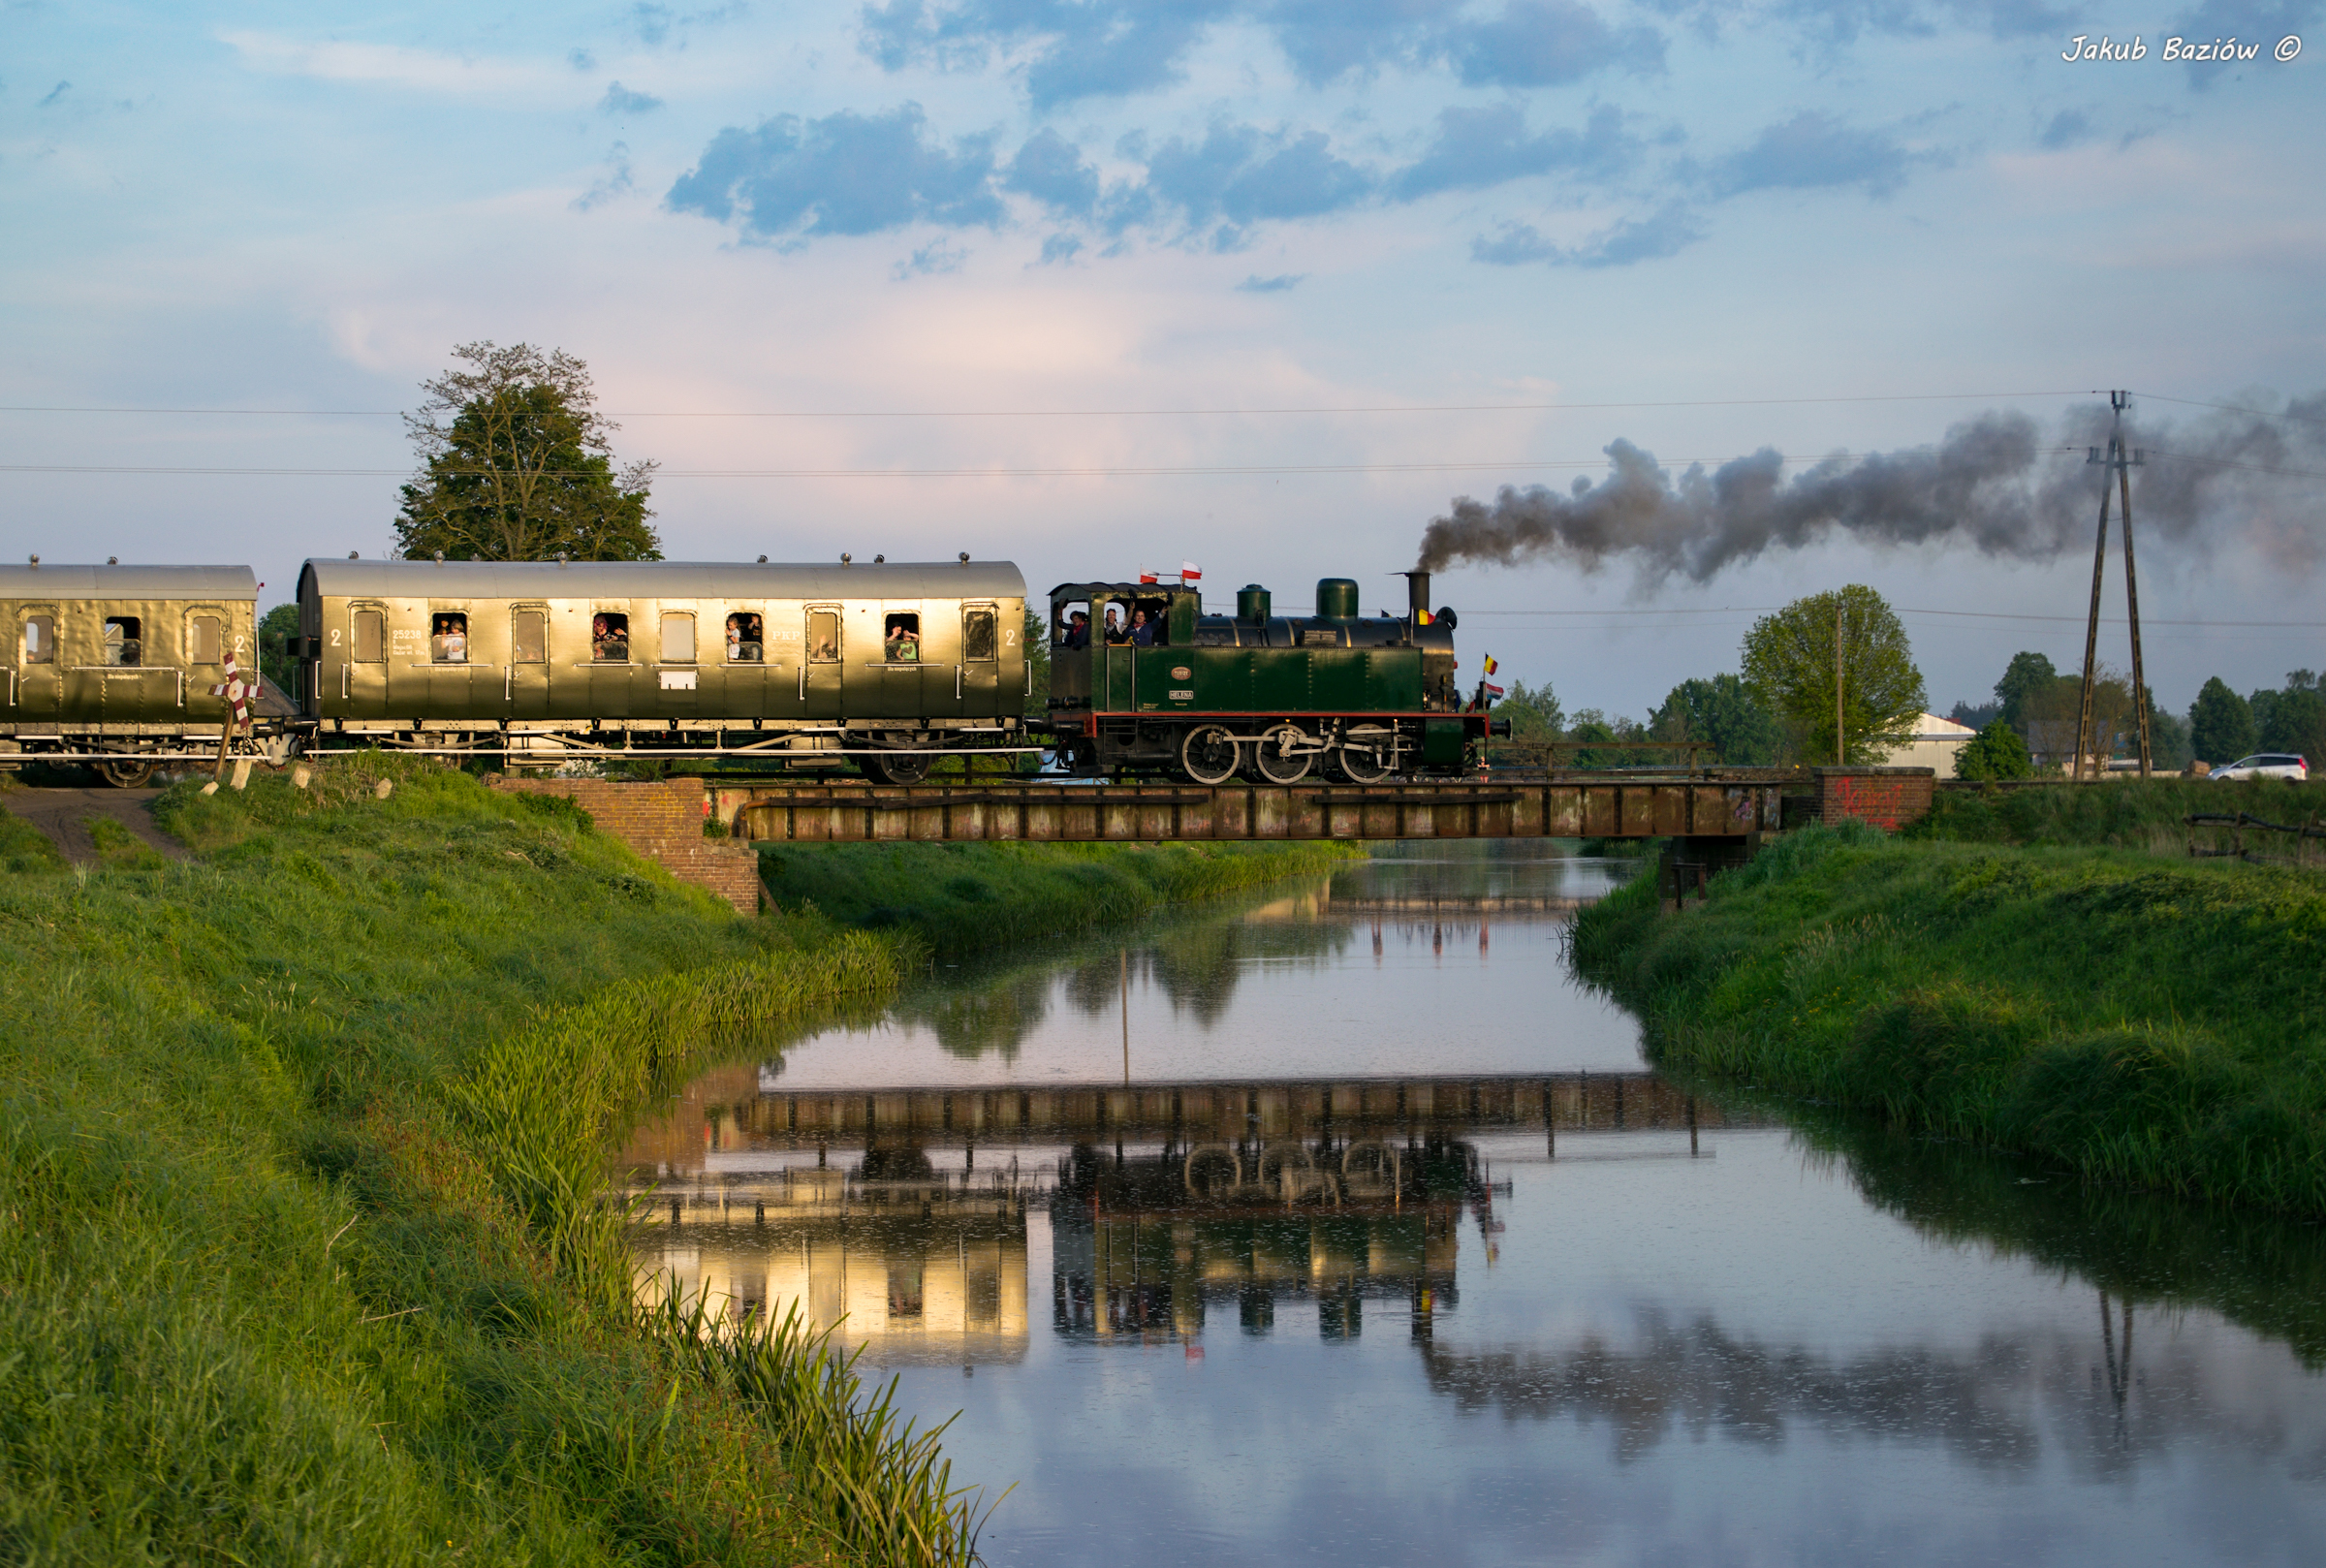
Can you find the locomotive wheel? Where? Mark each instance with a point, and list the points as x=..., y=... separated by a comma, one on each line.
x=1207, y=754
x=1269, y=761
x=125, y=774
x=1361, y=765
x=899, y=769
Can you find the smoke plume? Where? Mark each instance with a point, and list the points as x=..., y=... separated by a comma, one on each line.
x=1994, y=482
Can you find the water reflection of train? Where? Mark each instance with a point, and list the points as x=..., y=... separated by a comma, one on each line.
x=899, y=1216
x=1154, y=1243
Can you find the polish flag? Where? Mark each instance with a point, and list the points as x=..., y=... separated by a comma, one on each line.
x=1147, y=575
x=1189, y=571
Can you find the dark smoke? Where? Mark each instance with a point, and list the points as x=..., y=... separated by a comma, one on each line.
x=1995, y=483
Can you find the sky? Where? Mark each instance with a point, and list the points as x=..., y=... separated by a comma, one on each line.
x=1264, y=285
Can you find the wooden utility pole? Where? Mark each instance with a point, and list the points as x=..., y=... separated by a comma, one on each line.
x=2117, y=465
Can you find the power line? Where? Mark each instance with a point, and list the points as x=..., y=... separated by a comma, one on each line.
x=2230, y=408
x=1088, y=413
x=1104, y=472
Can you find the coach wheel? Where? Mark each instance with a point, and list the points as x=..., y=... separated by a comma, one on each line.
x=896, y=770
x=1273, y=759
x=1208, y=755
x=125, y=774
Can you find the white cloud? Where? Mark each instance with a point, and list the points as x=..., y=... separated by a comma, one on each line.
x=390, y=65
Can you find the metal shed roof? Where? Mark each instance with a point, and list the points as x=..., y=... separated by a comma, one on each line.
x=46, y=582
x=664, y=579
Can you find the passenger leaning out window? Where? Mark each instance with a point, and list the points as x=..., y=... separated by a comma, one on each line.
x=610, y=638
x=448, y=639
x=901, y=641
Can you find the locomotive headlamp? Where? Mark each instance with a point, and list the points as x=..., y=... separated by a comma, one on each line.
x=964, y=557
x=113, y=560
x=36, y=560
x=763, y=560
x=352, y=555
x=844, y=557
x=880, y=560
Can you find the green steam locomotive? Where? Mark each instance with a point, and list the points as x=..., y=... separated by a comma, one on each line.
x=1142, y=680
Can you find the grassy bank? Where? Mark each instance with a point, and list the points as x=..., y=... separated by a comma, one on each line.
x=2118, y=814
x=294, y=1262
x=2142, y=1021
x=960, y=897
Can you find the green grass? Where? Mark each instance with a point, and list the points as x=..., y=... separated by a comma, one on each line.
x=276, y=1280
x=2119, y=813
x=2147, y=1023
x=24, y=848
x=960, y=897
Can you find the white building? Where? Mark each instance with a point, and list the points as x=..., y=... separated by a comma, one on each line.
x=1934, y=745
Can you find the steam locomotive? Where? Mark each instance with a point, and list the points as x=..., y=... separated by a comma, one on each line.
x=886, y=668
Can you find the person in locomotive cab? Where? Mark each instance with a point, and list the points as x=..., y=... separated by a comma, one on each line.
x=1078, y=632
x=1143, y=634
x=1117, y=633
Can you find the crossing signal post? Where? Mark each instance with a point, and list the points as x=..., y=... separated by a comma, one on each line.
x=2117, y=465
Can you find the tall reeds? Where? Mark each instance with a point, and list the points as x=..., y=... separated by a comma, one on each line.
x=886, y=1489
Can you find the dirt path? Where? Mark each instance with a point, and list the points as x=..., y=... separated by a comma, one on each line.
x=62, y=813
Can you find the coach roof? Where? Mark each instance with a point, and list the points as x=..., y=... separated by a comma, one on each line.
x=47, y=582
x=662, y=580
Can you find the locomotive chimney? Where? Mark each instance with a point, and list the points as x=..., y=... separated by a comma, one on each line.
x=1417, y=596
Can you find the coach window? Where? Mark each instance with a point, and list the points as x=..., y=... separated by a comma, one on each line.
x=367, y=630
x=124, y=640
x=609, y=637
x=980, y=633
x=901, y=638
x=40, y=639
x=822, y=637
x=202, y=639
x=678, y=640
x=448, y=637
x=744, y=640
x=529, y=637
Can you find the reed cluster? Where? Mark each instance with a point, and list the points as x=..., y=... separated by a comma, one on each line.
x=2146, y=1022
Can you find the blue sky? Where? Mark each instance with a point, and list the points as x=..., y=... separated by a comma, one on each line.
x=1062, y=282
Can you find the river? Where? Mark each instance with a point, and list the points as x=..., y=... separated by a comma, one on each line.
x=1342, y=1226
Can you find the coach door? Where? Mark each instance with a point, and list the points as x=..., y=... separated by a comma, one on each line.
x=819, y=685
x=977, y=677
x=363, y=666
x=36, y=686
x=526, y=682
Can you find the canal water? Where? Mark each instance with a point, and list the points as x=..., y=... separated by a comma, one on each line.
x=1342, y=1226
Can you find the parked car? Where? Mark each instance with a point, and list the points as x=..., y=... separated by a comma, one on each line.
x=2266, y=765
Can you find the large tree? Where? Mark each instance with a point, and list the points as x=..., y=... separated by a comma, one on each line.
x=1728, y=713
x=2220, y=723
x=1795, y=656
x=1994, y=752
x=2292, y=718
x=2028, y=675
x=516, y=465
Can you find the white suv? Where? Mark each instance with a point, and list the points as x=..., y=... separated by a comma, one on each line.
x=2267, y=764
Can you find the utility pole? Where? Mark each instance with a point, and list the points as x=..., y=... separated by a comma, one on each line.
x=2118, y=465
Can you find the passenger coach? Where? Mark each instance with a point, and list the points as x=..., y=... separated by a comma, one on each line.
x=884, y=664
x=116, y=664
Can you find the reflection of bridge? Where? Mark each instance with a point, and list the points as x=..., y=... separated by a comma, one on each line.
x=1231, y=1110
x=1732, y=804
